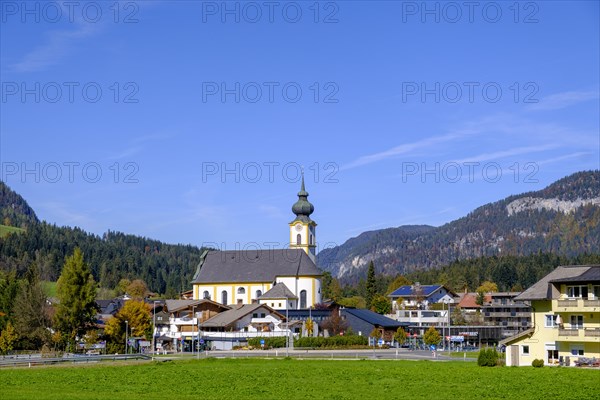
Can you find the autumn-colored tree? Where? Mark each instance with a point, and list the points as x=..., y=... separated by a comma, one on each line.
x=8, y=338
x=400, y=336
x=381, y=305
x=137, y=289
x=139, y=323
x=310, y=326
x=431, y=336
x=487, y=287
x=376, y=333
x=335, y=324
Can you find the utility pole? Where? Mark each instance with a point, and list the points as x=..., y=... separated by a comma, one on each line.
x=126, y=336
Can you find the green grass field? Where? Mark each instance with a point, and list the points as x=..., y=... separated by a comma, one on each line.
x=49, y=288
x=5, y=230
x=297, y=379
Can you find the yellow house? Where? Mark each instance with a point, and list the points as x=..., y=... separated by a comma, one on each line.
x=565, y=317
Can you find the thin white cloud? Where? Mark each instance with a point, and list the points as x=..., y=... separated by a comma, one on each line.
x=56, y=47
x=404, y=149
x=579, y=154
x=565, y=99
x=507, y=153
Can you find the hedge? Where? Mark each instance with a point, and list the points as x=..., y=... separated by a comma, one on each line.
x=311, y=342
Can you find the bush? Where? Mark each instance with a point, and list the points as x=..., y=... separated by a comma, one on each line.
x=537, y=363
x=488, y=357
x=270, y=342
x=331, y=342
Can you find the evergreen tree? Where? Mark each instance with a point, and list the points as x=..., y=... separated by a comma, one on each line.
x=371, y=285
x=76, y=291
x=32, y=312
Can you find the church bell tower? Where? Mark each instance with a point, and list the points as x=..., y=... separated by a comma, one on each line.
x=302, y=228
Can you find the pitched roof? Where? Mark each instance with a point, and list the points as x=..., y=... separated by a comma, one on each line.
x=253, y=265
x=177, y=305
x=591, y=275
x=469, y=300
x=373, y=318
x=544, y=290
x=279, y=291
x=228, y=317
x=409, y=290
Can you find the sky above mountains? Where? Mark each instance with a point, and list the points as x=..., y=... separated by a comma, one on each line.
x=189, y=121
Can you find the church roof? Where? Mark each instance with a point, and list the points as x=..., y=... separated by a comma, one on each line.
x=279, y=291
x=253, y=265
x=303, y=208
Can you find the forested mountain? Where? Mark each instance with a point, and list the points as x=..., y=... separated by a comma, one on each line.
x=14, y=210
x=167, y=269
x=562, y=219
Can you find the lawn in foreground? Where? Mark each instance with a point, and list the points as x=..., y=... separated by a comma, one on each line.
x=297, y=379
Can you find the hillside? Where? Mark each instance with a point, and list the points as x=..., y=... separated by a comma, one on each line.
x=14, y=210
x=563, y=218
x=165, y=268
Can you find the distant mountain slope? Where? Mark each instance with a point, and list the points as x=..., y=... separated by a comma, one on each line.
x=563, y=218
x=164, y=267
x=14, y=210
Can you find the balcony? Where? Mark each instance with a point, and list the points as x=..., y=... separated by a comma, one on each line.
x=592, y=332
x=568, y=332
x=591, y=303
x=567, y=303
x=576, y=305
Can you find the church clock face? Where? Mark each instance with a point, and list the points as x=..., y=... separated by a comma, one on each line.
x=298, y=227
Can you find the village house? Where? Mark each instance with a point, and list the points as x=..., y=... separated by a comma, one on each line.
x=565, y=328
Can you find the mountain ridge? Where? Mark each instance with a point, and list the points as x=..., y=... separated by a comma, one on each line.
x=563, y=218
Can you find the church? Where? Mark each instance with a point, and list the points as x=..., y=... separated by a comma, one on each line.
x=280, y=278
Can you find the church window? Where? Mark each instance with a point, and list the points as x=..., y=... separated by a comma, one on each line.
x=303, y=299
x=258, y=293
x=206, y=295
x=241, y=290
x=311, y=239
x=224, y=297
x=298, y=239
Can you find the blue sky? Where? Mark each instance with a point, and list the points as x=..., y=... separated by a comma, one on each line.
x=411, y=112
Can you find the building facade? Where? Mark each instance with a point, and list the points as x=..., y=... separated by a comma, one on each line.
x=565, y=319
x=243, y=277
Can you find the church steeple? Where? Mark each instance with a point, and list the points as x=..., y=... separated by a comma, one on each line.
x=302, y=228
x=303, y=208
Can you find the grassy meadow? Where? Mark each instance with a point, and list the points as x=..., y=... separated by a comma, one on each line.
x=297, y=379
x=5, y=230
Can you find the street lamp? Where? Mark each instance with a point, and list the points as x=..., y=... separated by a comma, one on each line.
x=287, y=328
x=126, y=335
x=154, y=328
x=193, y=337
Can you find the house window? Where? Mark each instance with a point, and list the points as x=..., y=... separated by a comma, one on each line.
x=279, y=305
x=298, y=239
x=258, y=293
x=577, y=321
x=577, y=291
x=224, y=297
x=206, y=295
x=254, y=315
x=303, y=299
x=577, y=351
x=262, y=315
x=241, y=290
x=525, y=350
x=550, y=321
x=596, y=291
